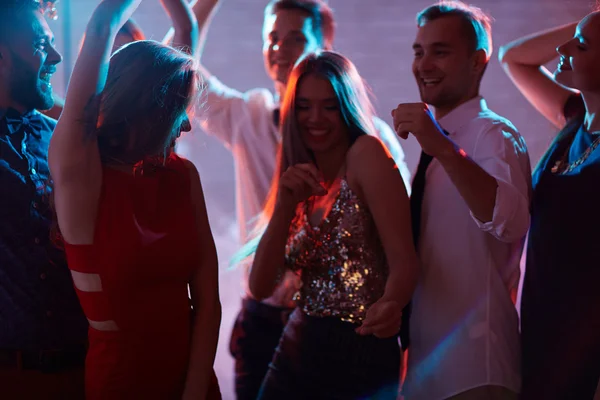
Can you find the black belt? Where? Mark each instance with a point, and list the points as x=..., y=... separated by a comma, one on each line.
x=48, y=361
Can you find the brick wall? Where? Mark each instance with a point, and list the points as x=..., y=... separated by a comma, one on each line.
x=377, y=35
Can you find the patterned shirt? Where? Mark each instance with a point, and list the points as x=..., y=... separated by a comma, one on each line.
x=38, y=306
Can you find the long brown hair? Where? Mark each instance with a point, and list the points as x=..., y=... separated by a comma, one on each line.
x=355, y=107
x=149, y=90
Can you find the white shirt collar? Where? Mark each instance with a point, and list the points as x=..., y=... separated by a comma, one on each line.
x=462, y=114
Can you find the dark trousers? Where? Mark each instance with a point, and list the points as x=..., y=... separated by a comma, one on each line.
x=256, y=333
x=324, y=358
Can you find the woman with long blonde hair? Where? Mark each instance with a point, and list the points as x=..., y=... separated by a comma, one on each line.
x=338, y=216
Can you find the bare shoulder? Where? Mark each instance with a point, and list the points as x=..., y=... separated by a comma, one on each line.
x=366, y=150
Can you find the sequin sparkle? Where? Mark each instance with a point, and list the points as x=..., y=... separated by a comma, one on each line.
x=341, y=261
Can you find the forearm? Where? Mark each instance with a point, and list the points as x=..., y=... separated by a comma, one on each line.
x=537, y=49
x=401, y=282
x=71, y=139
x=203, y=10
x=205, y=335
x=184, y=24
x=477, y=187
x=270, y=254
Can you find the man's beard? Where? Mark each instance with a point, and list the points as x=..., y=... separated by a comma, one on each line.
x=25, y=87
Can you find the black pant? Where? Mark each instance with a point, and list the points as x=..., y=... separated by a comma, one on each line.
x=255, y=336
x=324, y=358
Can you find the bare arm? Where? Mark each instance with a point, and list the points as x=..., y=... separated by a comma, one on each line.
x=204, y=11
x=73, y=156
x=296, y=185
x=524, y=59
x=384, y=192
x=268, y=263
x=185, y=26
x=204, y=288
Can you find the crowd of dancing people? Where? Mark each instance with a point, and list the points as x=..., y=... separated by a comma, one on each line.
x=360, y=281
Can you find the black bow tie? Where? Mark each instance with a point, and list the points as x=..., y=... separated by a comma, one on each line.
x=15, y=121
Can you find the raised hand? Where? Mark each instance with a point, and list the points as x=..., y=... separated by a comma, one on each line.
x=383, y=319
x=416, y=118
x=297, y=184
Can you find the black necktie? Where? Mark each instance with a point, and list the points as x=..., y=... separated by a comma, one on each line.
x=416, y=204
x=417, y=193
x=276, y=116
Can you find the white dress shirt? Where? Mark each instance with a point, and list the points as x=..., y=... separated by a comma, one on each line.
x=464, y=326
x=244, y=123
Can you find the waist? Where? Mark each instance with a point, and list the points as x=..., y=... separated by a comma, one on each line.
x=346, y=301
x=265, y=310
x=322, y=337
x=44, y=360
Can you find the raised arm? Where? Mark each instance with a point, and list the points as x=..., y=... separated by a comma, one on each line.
x=524, y=60
x=185, y=27
x=203, y=10
x=384, y=192
x=204, y=289
x=73, y=156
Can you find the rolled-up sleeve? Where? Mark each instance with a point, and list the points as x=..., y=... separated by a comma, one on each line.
x=501, y=152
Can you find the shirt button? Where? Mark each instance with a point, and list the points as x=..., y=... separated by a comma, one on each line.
x=36, y=240
x=33, y=171
x=43, y=276
x=35, y=205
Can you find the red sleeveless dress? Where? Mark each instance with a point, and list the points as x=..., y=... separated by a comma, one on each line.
x=145, y=251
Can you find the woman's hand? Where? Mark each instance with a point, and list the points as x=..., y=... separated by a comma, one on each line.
x=383, y=320
x=297, y=184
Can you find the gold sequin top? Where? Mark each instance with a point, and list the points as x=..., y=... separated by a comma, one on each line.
x=341, y=261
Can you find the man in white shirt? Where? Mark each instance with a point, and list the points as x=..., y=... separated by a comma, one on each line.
x=247, y=124
x=471, y=213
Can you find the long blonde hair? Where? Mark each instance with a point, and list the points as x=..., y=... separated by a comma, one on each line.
x=355, y=107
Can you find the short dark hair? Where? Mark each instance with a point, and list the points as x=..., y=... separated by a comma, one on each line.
x=10, y=10
x=478, y=24
x=320, y=13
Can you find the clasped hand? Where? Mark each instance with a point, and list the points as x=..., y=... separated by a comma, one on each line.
x=417, y=119
x=298, y=183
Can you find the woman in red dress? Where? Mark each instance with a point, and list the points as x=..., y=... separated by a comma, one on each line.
x=133, y=218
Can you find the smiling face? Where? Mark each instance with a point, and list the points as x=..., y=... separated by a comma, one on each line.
x=318, y=115
x=287, y=35
x=580, y=57
x=29, y=60
x=446, y=69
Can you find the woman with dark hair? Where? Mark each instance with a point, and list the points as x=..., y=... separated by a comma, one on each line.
x=132, y=217
x=560, y=305
x=337, y=215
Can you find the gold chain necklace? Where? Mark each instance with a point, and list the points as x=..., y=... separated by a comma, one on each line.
x=561, y=166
